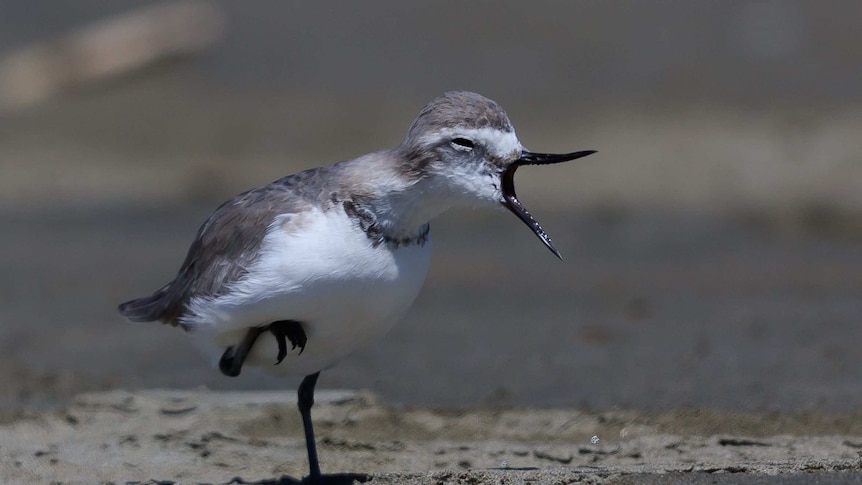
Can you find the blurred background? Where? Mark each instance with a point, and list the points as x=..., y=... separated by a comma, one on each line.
x=713, y=247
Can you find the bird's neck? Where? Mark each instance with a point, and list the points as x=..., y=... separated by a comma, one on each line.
x=393, y=205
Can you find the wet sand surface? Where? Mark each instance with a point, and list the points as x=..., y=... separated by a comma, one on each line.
x=256, y=437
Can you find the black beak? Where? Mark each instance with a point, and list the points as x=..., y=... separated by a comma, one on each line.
x=510, y=199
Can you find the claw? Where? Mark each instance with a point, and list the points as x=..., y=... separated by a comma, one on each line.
x=282, y=347
x=288, y=330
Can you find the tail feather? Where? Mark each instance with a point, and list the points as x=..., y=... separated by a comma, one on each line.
x=146, y=309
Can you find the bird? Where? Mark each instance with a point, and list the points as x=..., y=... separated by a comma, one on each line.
x=295, y=275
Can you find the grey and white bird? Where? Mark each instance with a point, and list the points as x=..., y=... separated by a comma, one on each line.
x=305, y=270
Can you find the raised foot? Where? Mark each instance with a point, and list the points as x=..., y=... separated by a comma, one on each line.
x=288, y=330
x=234, y=356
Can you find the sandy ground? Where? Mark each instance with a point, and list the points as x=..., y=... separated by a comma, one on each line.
x=204, y=436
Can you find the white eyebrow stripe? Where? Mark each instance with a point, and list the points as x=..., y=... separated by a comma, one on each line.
x=499, y=143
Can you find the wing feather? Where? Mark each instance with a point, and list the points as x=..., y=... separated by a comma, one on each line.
x=225, y=246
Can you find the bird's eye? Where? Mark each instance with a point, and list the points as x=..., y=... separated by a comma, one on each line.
x=462, y=144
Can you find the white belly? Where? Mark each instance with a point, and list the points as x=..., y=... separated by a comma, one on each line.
x=323, y=272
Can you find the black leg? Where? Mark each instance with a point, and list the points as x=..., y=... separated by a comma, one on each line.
x=306, y=400
x=232, y=359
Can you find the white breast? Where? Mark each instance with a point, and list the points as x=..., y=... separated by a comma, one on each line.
x=321, y=270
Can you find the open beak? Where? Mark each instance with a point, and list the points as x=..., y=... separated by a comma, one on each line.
x=510, y=199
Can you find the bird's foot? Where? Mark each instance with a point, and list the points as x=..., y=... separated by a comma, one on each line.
x=336, y=479
x=285, y=330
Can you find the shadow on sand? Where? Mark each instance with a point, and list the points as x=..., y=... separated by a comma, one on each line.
x=334, y=479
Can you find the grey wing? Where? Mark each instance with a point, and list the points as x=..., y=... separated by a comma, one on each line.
x=223, y=249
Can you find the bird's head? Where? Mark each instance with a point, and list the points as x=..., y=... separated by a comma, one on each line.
x=466, y=143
